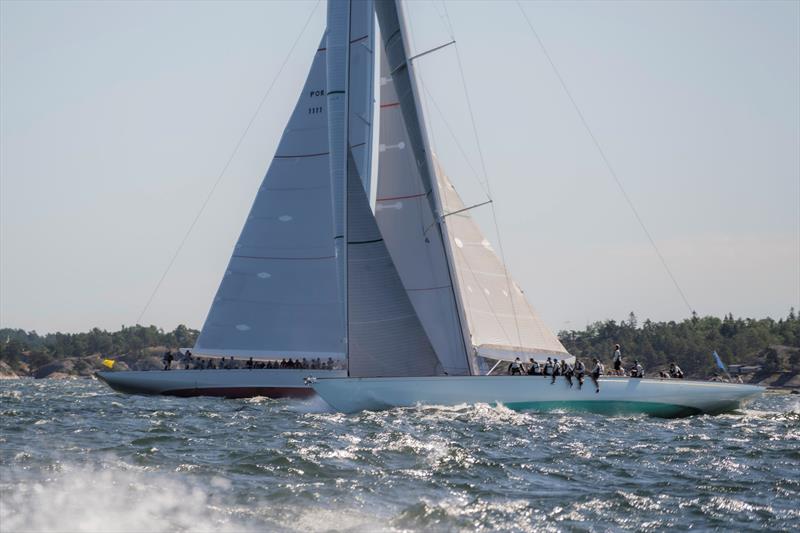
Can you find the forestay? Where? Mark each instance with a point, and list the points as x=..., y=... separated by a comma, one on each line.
x=278, y=296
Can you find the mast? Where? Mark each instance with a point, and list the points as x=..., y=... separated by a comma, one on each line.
x=338, y=74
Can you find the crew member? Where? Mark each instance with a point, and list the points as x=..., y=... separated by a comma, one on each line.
x=567, y=371
x=167, y=359
x=617, y=360
x=580, y=370
x=556, y=370
x=596, y=373
x=548, y=367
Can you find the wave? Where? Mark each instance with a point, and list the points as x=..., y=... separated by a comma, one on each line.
x=84, y=499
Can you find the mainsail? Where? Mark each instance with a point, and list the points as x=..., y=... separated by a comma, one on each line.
x=405, y=207
x=278, y=296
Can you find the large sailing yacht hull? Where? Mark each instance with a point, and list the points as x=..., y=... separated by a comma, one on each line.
x=281, y=383
x=657, y=397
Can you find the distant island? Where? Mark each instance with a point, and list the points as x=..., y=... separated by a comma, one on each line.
x=760, y=350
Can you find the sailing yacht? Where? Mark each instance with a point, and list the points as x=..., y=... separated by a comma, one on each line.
x=427, y=304
x=359, y=248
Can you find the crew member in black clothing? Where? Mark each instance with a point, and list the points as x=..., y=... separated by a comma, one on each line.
x=168, y=358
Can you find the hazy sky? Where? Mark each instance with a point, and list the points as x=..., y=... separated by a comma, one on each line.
x=117, y=117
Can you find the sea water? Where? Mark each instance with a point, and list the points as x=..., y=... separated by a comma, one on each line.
x=76, y=456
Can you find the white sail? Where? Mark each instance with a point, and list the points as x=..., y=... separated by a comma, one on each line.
x=405, y=213
x=384, y=336
x=502, y=323
x=278, y=296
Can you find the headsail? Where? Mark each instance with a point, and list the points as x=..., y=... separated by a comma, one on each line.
x=502, y=323
x=278, y=296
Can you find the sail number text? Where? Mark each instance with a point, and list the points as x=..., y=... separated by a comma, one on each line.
x=315, y=110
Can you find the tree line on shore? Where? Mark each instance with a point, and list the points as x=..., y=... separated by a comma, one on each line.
x=34, y=350
x=689, y=343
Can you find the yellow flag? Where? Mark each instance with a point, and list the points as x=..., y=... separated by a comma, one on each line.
x=109, y=363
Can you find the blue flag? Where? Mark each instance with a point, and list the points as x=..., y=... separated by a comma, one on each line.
x=719, y=362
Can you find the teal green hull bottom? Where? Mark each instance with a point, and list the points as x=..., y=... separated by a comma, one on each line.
x=661, y=410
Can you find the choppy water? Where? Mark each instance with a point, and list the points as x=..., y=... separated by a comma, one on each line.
x=75, y=456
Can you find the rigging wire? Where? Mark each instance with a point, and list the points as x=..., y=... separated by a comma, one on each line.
x=605, y=159
x=475, y=173
x=485, y=174
x=227, y=164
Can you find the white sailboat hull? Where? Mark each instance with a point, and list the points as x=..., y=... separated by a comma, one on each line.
x=657, y=397
x=272, y=383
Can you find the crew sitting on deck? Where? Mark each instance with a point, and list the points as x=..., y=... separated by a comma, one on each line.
x=567, y=371
x=187, y=360
x=675, y=371
x=548, y=367
x=250, y=364
x=637, y=370
x=515, y=369
x=580, y=370
x=535, y=368
x=596, y=373
x=556, y=370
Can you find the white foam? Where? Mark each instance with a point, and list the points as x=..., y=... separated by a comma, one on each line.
x=110, y=499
